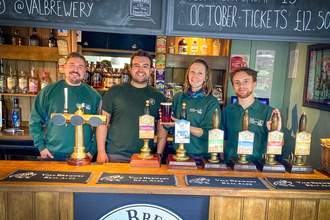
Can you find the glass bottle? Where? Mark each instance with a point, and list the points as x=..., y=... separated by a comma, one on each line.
x=194, y=46
x=117, y=77
x=204, y=47
x=183, y=113
x=171, y=49
x=33, y=39
x=22, y=83
x=3, y=113
x=107, y=79
x=16, y=39
x=125, y=74
x=216, y=48
x=182, y=47
x=16, y=115
x=3, y=79
x=12, y=82
x=97, y=77
x=44, y=80
x=33, y=83
x=88, y=74
x=52, y=39
x=2, y=36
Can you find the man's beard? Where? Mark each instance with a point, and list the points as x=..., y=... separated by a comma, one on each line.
x=140, y=82
x=74, y=81
x=243, y=96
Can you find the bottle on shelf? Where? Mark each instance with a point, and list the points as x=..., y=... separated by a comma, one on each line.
x=2, y=36
x=97, y=76
x=105, y=74
x=171, y=49
x=12, y=82
x=107, y=79
x=204, y=47
x=52, y=39
x=117, y=76
x=16, y=115
x=33, y=39
x=33, y=83
x=16, y=39
x=88, y=74
x=22, y=83
x=182, y=47
x=44, y=80
x=125, y=74
x=216, y=47
x=3, y=79
x=194, y=46
x=3, y=113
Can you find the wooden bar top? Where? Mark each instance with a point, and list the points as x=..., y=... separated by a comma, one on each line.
x=7, y=167
x=16, y=136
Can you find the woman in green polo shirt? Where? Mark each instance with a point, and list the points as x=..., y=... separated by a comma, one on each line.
x=200, y=105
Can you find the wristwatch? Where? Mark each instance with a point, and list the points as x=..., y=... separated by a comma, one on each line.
x=160, y=155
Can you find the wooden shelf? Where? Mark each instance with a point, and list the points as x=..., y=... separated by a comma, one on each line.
x=95, y=51
x=18, y=94
x=14, y=52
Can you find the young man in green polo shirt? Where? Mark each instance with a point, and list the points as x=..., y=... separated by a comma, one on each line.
x=244, y=80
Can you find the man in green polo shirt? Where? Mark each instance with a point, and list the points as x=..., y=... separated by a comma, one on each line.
x=244, y=80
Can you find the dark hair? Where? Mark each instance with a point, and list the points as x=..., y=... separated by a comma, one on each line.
x=75, y=55
x=248, y=71
x=207, y=86
x=142, y=53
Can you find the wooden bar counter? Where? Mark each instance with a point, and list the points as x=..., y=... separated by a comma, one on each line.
x=38, y=200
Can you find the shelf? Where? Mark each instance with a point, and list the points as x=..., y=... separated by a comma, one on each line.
x=14, y=52
x=18, y=94
x=100, y=89
x=105, y=52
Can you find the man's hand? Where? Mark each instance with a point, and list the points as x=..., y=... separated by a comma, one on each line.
x=102, y=158
x=45, y=152
x=89, y=156
x=279, y=120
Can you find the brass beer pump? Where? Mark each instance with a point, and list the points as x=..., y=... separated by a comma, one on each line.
x=79, y=156
x=181, y=153
x=245, y=127
x=145, y=151
x=215, y=124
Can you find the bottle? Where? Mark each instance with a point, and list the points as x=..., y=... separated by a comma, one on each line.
x=2, y=36
x=117, y=77
x=22, y=83
x=183, y=113
x=112, y=77
x=125, y=74
x=97, y=77
x=171, y=49
x=3, y=113
x=204, y=47
x=194, y=46
x=44, y=80
x=107, y=79
x=12, y=82
x=33, y=39
x=3, y=79
x=33, y=83
x=88, y=74
x=15, y=39
x=216, y=48
x=182, y=47
x=16, y=115
x=147, y=110
x=52, y=40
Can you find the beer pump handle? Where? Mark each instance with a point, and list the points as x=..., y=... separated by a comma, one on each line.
x=303, y=122
x=215, y=119
x=66, y=108
x=274, y=122
x=246, y=121
x=99, y=109
x=147, y=110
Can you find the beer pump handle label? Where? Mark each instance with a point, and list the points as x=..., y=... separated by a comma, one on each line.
x=303, y=144
x=275, y=142
x=215, y=141
x=182, y=132
x=146, y=127
x=245, y=142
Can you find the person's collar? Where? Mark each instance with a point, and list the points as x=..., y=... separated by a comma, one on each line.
x=142, y=87
x=255, y=105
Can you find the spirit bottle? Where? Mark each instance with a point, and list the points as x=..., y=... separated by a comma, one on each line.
x=182, y=47
x=88, y=74
x=22, y=83
x=44, y=80
x=33, y=39
x=16, y=115
x=2, y=36
x=52, y=40
x=107, y=79
x=12, y=82
x=216, y=48
x=117, y=76
x=3, y=113
x=194, y=46
x=3, y=80
x=97, y=76
x=125, y=74
x=204, y=47
x=33, y=83
x=15, y=39
x=171, y=49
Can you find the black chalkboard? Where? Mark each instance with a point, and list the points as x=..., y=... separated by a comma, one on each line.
x=277, y=20
x=118, y=16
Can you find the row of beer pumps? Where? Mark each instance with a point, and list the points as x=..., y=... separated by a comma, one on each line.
x=181, y=160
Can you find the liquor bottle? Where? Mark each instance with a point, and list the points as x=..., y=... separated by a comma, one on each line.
x=216, y=48
x=112, y=76
x=117, y=77
x=16, y=115
x=97, y=77
x=3, y=79
x=171, y=49
x=183, y=113
x=2, y=36
x=194, y=46
x=107, y=79
x=12, y=82
x=3, y=113
x=204, y=47
x=16, y=39
x=22, y=83
x=125, y=74
x=44, y=80
x=33, y=83
x=52, y=40
x=182, y=47
x=33, y=39
x=88, y=74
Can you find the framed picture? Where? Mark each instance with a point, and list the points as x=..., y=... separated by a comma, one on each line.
x=317, y=77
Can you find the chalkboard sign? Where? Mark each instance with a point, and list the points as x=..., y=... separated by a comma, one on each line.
x=118, y=16
x=276, y=20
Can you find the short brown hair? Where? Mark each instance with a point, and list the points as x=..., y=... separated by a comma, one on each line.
x=207, y=86
x=142, y=53
x=248, y=71
x=76, y=55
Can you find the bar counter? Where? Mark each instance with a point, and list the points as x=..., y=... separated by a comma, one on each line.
x=26, y=200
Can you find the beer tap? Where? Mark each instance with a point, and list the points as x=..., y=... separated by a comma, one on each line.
x=245, y=127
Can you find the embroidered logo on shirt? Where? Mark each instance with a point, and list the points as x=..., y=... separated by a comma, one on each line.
x=256, y=121
x=88, y=107
x=152, y=101
x=199, y=111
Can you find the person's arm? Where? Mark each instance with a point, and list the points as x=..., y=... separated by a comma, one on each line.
x=161, y=138
x=101, y=135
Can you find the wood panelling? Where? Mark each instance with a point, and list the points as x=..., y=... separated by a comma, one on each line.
x=254, y=208
x=47, y=205
x=304, y=209
x=3, y=205
x=279, y=209
x=20, y=205
x=324, y=210
x=66, y=206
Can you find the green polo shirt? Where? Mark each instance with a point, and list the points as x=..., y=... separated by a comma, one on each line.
x=231, y=124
